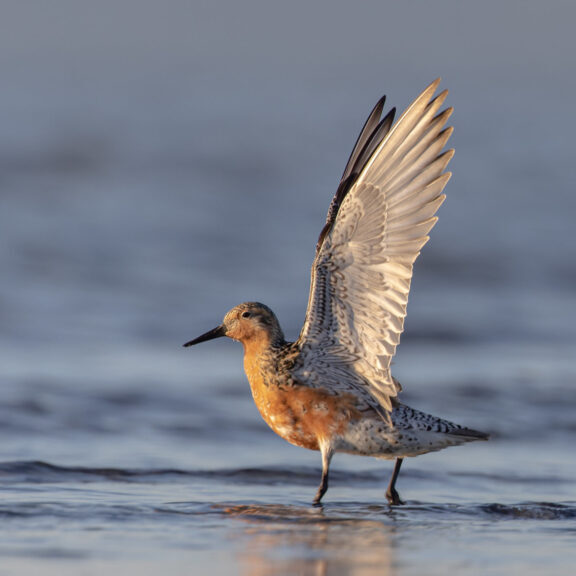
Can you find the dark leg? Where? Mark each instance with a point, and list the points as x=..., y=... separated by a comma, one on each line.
x=322, y=489
x=391, y=494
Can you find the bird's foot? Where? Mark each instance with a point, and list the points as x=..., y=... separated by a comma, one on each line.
x=393, y=497
x=317, y=499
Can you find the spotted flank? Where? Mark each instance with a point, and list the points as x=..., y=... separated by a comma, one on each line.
x=332, y=390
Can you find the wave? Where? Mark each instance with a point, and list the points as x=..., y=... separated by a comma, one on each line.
x=37, y=471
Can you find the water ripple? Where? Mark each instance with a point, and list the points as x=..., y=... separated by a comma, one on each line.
x=37, y=471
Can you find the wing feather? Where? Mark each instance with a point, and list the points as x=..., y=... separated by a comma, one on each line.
x=378, y=222
x=365, y=135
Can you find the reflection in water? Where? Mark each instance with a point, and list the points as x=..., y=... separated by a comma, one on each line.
x=308, y=541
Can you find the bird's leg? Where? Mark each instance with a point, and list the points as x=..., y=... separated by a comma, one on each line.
x=391, y=494
x=327, y=454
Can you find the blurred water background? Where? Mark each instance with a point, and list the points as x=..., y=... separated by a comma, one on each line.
x=161, y=162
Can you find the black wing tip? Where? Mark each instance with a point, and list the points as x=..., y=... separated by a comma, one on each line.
x=379, y=106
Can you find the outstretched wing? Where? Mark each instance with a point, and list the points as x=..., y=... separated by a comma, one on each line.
x=377, y=224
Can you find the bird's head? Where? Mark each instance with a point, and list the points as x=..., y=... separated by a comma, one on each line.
x=248, y=322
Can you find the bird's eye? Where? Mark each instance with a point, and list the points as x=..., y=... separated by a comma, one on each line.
x=246, y=314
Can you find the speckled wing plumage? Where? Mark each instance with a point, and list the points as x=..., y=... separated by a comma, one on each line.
x=377, y=224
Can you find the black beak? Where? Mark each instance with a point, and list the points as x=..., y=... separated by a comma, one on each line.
x=216, y=333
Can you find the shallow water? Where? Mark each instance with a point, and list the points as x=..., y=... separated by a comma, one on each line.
x=253, y=521
x=154, y=175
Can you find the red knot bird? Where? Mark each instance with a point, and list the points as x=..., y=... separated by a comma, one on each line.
x=332, y=389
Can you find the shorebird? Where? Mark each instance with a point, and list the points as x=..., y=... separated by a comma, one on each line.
x=332, y=389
